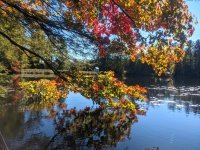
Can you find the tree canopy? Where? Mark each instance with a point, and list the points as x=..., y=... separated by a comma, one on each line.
x=153, y=31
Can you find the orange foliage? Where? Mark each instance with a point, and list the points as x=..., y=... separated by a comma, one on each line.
x=116, y=25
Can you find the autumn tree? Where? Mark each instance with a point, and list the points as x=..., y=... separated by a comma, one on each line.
x=13, y=58
x=154, y=31
x=190, y=64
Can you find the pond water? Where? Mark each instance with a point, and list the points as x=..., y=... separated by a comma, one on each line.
x=171, y=122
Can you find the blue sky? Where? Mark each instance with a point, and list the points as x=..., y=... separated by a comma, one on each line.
x=194, y=8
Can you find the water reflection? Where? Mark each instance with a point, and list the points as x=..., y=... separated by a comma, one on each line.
x=60, y=127
x=25, y=130
x=177, y=94
x=67, y=128
x=90, y=129
x=171, y=122
x=176, y=98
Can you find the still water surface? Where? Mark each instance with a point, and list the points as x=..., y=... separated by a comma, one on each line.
x=171, y=122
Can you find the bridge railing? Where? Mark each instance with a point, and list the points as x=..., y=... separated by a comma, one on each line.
x=48, y=73
x=36, y=71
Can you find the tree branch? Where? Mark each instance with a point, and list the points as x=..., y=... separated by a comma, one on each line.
x=115, y=3
x=24, y=49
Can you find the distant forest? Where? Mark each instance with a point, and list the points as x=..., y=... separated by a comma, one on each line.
x=117, y=62
x=190, y=66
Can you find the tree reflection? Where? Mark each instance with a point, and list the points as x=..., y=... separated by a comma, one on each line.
x=76, y=129
x=176, y=97
x=24, y=130
x=91, y=128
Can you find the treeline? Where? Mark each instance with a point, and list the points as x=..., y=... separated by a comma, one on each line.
x=13, y=59
x=55, y=52
x=190, y=66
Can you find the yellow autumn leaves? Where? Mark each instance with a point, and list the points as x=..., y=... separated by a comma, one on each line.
x=162, y=59
x=104, y=89
x=42, y=93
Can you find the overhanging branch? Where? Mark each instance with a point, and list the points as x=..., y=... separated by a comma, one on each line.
x=24, y=49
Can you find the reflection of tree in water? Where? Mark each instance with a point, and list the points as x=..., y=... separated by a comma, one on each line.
x=90, y=129
x=11, y=122
x=177, y=98
x=23, y=130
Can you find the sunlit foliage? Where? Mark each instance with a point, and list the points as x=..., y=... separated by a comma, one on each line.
x=149, y=30
x=104, y=89
x=41, y=94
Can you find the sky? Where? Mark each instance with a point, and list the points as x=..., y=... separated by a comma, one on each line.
x=194, y=8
